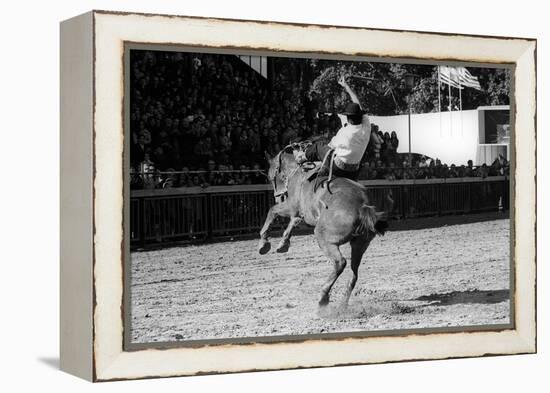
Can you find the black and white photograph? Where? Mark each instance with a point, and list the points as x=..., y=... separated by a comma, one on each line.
x=289, y=197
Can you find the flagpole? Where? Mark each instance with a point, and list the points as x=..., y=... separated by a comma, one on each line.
x=439, y=95
x=460, y=93
x=439, y=98
x=460, y=96
x=439, y=88
x=450, y=106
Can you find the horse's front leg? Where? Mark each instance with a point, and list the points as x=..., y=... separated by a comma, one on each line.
x=264, y=245
x=284, y=244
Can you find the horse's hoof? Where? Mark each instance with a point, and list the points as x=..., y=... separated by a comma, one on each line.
x=264, y=247
x=283, y=246
x=324, y=301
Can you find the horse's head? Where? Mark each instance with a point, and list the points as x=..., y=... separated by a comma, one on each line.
x=281, y=167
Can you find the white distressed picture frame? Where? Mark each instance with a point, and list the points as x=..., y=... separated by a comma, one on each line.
x=92, y=194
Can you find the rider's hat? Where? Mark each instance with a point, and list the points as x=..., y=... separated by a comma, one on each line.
x=352, y=109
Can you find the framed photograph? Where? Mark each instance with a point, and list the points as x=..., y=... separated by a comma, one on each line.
x=245, y=195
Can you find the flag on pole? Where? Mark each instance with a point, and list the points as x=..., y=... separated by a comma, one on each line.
x=449, y=75
x=458, y=77
x=467, y=79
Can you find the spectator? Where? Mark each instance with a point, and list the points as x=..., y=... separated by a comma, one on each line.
x=422, y=163
x=469, y=170
x=136, y=181
x=390, y=173
x=212, y=177
x=387, y=148
x=380, y=170
x=184, y=178
x=138, y=149
x=482, y=171
x=375, y=145
x=453, y=171
x=258, y=177
x=394, y=141
x=170, y=180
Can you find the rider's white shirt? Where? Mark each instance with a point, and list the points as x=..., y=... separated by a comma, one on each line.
x=350, y=141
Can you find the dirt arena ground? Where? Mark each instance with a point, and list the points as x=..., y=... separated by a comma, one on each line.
x=456, y=275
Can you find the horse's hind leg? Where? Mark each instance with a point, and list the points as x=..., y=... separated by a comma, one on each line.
x=335, y=256
x=358, y=247
x=284, y=244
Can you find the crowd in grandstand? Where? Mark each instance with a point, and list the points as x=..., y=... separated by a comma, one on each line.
x=201, y=120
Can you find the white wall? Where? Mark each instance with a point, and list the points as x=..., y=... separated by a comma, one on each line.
x=452, y=137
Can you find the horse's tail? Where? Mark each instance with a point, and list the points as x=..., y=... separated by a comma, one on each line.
x=369, y=221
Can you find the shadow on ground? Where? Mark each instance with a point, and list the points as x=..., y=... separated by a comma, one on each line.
x=466, y=297
x=52, y=362
x=392, y=307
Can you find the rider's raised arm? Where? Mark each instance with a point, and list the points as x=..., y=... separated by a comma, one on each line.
x=342, y=82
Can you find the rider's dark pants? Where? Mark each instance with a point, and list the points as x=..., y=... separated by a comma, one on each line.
x=317, y=152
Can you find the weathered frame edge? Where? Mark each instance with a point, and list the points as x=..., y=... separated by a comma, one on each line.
x=76, y=196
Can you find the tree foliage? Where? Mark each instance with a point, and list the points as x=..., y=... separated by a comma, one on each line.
x=382, y=89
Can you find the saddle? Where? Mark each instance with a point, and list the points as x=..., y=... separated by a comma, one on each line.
x=315, y=173
x=316, y=169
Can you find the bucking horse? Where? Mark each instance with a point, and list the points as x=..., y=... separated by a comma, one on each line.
x=338, y=209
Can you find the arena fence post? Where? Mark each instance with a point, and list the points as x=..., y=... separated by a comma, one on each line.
x=468, y=201
x=404, y=202
x=141, y=220
x=210, y=215
x=470, y=205
x=438, y=197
